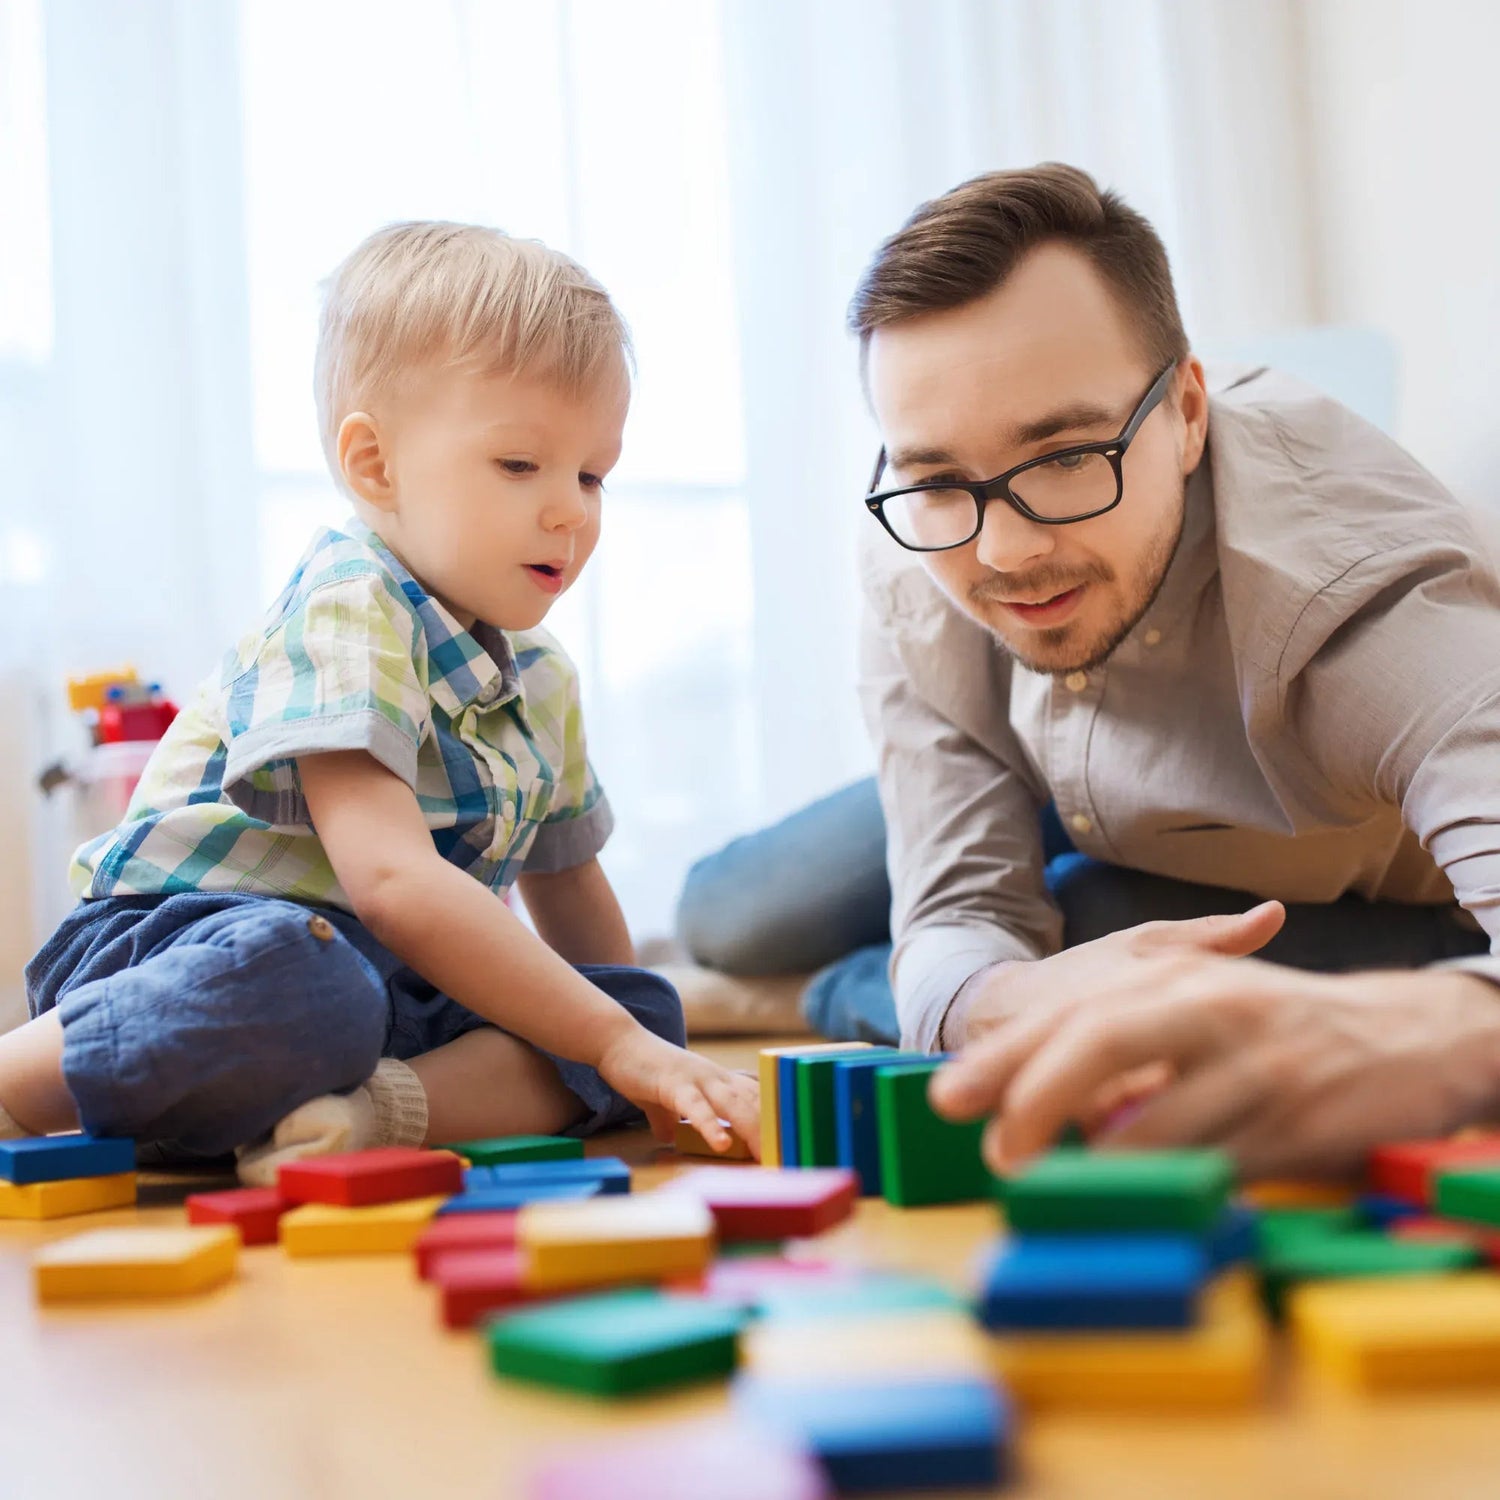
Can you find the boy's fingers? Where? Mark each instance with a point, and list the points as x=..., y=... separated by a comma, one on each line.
x=663, y=1122
x=740, y=1105
x=702, y=1116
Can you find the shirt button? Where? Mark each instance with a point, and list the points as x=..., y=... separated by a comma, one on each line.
x=1075, y=682
x=1081, y=823
x=1153, y=637
x=321, y=928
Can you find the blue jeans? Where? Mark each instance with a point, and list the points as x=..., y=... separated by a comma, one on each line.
x=198, y=1020
x=810, y=894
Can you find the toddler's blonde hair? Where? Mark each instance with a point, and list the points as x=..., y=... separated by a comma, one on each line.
x=434, y=293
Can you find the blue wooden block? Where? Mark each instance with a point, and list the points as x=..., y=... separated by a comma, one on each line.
x=612, y=1174
x=786, y=1102
x=889, y=1435
x=1233, y=1239
x=486, y=1200
x=1381, y=1210
x=855, y=1118
x=51, y=1158
x=1096, y=1281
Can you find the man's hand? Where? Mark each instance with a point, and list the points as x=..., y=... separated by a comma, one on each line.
x=671, y=1084
x=1042, y=987
x=1289, y=1072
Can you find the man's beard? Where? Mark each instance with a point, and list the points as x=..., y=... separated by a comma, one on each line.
x=1049, y=582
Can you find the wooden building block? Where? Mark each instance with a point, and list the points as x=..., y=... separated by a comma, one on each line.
x=1220, y=1364
x=688, y=1141
x=103, y=1265
x=1291, y=1193
x=612, y=1174
x=1468, y=1193
x=1419, y=1332
x=1360, y=1253
x=503, y=1200
x=356, y=1179
x=605, y=1241
x=1275, y=1227
x=715, y=1457
x=474, y=1283
x=377, y=1229
x=254, y=1212
x=936, y=1342
x=889, y=1434
x=51, y=1158
x=66, y=1196
x=618, y=1344
x=1105, y=1192
x=1484, y=1238
x=750, y=1203
x=877, y=1295
x=447, y=1233
x=1093, y=1281
x=1407, y=1169
x=776, y=1112
x=856, y=1119
x=504, y=1149
x=817, y=1119
x=925, y=1159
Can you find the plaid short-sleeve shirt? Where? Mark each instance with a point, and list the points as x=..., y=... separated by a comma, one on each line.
x=484, y=726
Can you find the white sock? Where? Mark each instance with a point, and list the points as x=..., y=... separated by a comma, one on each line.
x=9, y=1130
x=388, y=1109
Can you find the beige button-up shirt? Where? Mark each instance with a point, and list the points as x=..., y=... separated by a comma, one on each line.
x=1311, y=706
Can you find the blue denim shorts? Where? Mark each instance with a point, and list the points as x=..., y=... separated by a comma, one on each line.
x=200, y=1019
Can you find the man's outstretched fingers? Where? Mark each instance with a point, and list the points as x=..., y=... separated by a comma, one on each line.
x=1235, y=934
x=1197, y=1110
x=974, y=1083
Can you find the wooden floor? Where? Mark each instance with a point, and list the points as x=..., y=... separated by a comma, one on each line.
x=334, y=1379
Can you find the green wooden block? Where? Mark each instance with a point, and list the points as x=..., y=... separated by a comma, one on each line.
x=1469, y=1193
x=1363, y=1252
x=924, y=1159
x=1276, y=1227
x=504, y=1150
x=617, y=1344
x=1093, y=1192
x=817, y=1117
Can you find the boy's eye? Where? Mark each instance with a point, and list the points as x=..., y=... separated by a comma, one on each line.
x=517, y=465
x=591, y=481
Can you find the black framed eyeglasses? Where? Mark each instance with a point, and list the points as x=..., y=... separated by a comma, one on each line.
x=1073, y=484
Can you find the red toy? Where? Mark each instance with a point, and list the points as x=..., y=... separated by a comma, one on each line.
x=450, y=1232
x=770, y=1203
x=255, y=1212
x=1408, y=1169
x=386, y=1175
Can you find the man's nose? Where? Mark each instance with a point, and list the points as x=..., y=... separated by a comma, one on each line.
x=1008, y=542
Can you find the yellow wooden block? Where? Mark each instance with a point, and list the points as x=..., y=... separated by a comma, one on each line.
x=1217, y=1365
x=71, y=1195
x=1294, y=1194
x=103, y=1264
x=770, y=1092
x=1402, y=1332
x=621, y=1237
x=688, y=1141
x=907, y=1344
x=381, y=1229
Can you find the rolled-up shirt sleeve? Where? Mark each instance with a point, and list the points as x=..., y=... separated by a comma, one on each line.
x=962, y=832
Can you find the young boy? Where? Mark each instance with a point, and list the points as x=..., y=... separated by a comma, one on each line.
x=296, y=941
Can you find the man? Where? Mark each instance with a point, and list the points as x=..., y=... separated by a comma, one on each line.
x=1242, y=642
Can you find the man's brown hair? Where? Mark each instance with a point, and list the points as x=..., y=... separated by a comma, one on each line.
x=961, y=246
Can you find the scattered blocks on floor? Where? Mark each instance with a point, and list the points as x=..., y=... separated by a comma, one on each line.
x=1418, y=1332
x=52, y=1158
x=66, y=1196
x=108, y=1264
x=1359, y=1253
x=778, y=1107
x=617, y=1344
x=501, y=1150
x=1407, y=1169
x=888, y=1434
x=254, y=1212
x=357, y=1179
x=769, y=1203
x=856, y=1119
x=608, y=1172
x=924, y=1159
x=605, y=1241
x=1220, y=1364
x=378, y=1229
x=447, y=1233
x=1094, y=1281
x=1069, y=1191
x=688, y=1141
x=474, y=1283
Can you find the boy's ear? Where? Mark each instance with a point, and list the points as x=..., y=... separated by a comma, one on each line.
x=362, y=460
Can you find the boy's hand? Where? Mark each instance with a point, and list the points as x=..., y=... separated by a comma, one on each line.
x=671, y=1084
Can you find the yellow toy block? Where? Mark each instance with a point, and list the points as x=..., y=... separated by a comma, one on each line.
x=381, y=1229
x=70, y=1195
x=620, y=1237
x=92, y=691
x=1294, y=1194
x=770, y=1093
x=1402, y=1333
x=104, y=1264
x=1218, y=1365
x=902, y=1345
x=688, y=1141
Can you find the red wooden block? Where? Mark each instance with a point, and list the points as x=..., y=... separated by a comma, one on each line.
x=1447, y=1231
x=451, y=1232
x=1407, y=1169
x=771, y=1203
x=255, y=1212
x=385, y=1175
x=475, y=1282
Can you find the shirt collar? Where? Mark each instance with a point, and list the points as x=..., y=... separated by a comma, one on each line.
x=1195, y=559
x=464, y=666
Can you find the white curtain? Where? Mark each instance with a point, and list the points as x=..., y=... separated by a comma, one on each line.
x=726, y=168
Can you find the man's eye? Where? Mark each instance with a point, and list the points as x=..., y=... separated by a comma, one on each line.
x=1069, y=461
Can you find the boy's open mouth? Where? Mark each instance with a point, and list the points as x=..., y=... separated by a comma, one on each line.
x=546, y=576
